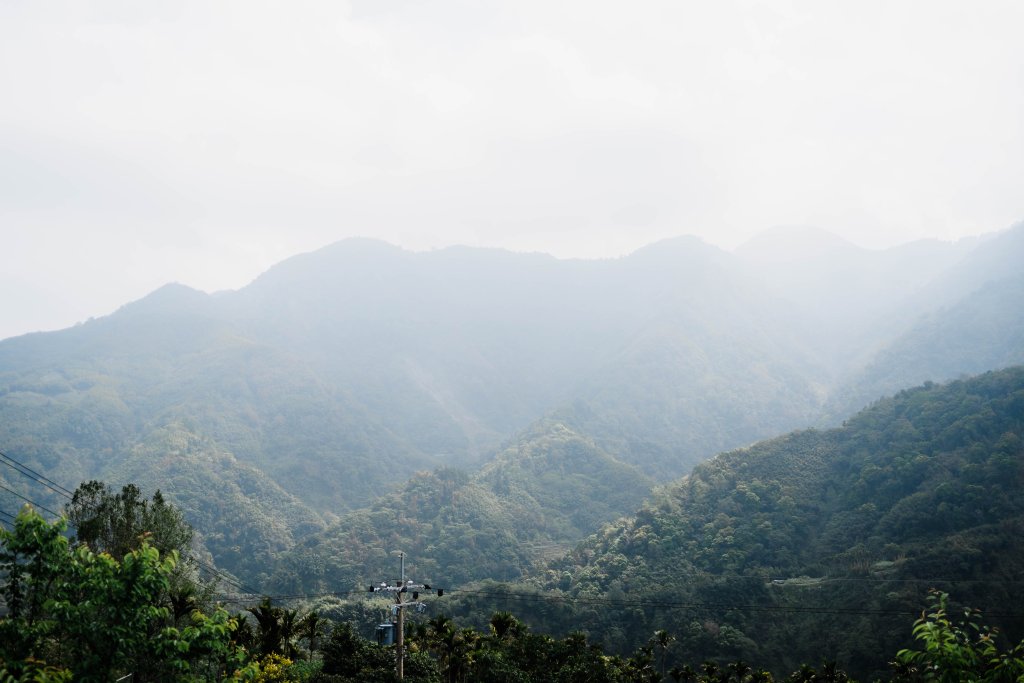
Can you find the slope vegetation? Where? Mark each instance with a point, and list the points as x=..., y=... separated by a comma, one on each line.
x=542, y=493
x=823, y=541
x=339, y=374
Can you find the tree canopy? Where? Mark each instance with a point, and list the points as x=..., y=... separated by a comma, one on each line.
x=95, y=616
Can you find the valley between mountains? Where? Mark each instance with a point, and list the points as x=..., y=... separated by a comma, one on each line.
x=799, y=422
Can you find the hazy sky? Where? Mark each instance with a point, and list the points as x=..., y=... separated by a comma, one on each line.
x=201, y=142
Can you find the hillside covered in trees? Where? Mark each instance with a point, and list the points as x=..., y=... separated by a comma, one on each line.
x=301, y=417
x=541, y=494
x=116, y=605
x=816, y=545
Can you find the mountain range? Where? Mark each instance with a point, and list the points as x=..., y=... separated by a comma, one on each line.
x=279, y=415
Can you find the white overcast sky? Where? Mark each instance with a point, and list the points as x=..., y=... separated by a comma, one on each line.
x=201, y=142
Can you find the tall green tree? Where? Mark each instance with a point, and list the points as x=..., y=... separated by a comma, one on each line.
x=277, y=629
x=350, y=658
x=662, y=639
x=312, y=628
x=115, y=523
x=95, y=615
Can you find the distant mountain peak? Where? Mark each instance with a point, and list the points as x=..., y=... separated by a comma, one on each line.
x=170, y=297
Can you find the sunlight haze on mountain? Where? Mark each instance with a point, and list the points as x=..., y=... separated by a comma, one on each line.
x=666, y=341
x=202, y=144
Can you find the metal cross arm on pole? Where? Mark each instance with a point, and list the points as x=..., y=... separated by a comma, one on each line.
x=397, y=626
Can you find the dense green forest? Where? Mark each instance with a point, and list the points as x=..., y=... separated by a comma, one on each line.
x=539, y=496
x=340, y=373
x=493, y=416
x=817, y=548
x=820, y=546
x=815, y=545
x=112, y=605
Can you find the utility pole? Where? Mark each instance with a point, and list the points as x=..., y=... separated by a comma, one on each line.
x=398, y=611
x=400, y=640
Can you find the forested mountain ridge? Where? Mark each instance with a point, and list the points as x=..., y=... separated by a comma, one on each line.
x=340, y=368
x=88, y=394
x=832, y=533
x=244, y=518
x=544, y=491
x=464, y=347
x=339, y=374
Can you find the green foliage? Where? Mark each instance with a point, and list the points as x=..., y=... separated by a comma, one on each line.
x=954, y=651
x=116, y=523
x=349, y=657
x=34, y=671
x=278, y=629
x=264, y=414
x=442, y=651
x=96, y=615
x=34, y=558
x=919, y=489
x=323, y=385
x=538, y=496
x=245, y=519
x=509, y=652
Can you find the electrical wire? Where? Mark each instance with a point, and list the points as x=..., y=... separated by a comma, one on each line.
x=28, y=500
x=812, y=582
x=32, y=474
x=704, y=605
x=231, y=598
x=225, y=577
x=640, y=602
x=248, y=594
x=241, y=598
x=863, y=579
x=57, y=488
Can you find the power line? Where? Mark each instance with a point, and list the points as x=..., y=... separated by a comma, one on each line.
x=707, y=605
x=814, y=582
x=29, y=472
x=639, y=602
x=27, y=500
x=601, y=600
x=57, y=488
x=218, y=573
x=860, y=579
x=225, y=578
x=32, y=474
x=237, y=598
